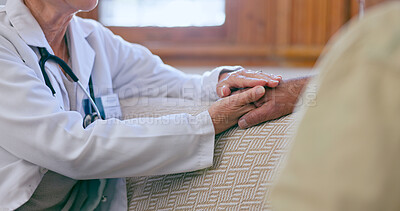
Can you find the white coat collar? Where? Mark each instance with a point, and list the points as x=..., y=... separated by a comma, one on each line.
x=82, y=54
x=25, y=24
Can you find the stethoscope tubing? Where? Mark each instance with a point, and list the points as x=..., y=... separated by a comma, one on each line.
x=90, y=99
x=45, y=56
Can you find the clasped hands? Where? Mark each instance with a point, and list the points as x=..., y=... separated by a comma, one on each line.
x=249, y=98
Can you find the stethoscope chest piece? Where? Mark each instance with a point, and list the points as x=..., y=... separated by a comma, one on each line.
x=89, y=119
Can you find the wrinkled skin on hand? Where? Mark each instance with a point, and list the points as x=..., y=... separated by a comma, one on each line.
x=242, y=78
x=280, y=96
x=276, y=102
x=226, y=111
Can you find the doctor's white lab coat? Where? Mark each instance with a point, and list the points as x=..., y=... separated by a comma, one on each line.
x=39, y=133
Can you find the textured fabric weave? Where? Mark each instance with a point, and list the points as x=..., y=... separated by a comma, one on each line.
x=245, y=165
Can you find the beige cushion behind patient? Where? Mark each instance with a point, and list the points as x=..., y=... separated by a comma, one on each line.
x=346, y=154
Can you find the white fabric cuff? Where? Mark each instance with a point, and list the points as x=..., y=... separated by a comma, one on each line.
x=210, y=81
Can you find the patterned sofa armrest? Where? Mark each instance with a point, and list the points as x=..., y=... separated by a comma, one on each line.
x=245, y=165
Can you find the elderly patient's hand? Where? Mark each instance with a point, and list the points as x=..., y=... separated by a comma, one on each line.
x=226, y=112
x=237, y=77
x=276, y=102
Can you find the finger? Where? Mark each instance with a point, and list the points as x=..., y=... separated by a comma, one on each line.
x=239, y=81
x=246, y=78
x=258, y=74
x=255, y=117
x=260, y=102
x=246, y=108
x=236, y=91
x=224, y=91
x=272, y=80
x=276, y=77
x=239, y=91
x=250, y=95
x=257, y=103
x=264, y=99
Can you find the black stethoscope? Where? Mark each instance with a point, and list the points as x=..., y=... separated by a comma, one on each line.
x=45, y=56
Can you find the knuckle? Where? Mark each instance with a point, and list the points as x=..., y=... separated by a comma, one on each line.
x=241, y=72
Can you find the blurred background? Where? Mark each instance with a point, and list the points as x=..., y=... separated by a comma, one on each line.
x=196, y=35
x=229, y=32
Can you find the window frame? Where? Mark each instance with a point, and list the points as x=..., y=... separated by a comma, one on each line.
x=188, y=41
x=199, y=35
x=256, y=32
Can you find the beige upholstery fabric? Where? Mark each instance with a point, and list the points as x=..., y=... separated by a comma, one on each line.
x=244, y=167
x=346, y=154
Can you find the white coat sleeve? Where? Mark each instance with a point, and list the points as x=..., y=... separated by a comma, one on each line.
x=35, y=129
x=150, y=77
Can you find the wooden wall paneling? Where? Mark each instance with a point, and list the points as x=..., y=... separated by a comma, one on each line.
x=252, y=22
x=283, y=22
x=320, y=22
x=338, y=15
x=369, y=3
x=259, y=23
x=244, y=22
x=255, y=32
x=309, y=21
x=262, y=23
x=232, y=19
x=302, y=21
x=296, y=22
x=167, y=36
x=270, y=19
x=310, y=25
x=354, y=7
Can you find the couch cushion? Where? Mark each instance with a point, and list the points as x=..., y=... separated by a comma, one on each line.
x=245, y=165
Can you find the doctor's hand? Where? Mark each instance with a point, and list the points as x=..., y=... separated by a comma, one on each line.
x=276, y=102
x=226, y=111
x=232, y=78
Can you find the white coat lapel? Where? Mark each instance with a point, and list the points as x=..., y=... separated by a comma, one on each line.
x=30, y=31
x=82, y=55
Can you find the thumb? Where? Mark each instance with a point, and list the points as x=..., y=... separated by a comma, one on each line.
x=250, y=95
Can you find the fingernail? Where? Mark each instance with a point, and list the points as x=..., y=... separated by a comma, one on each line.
x=260, y=90
x=243, y=124
x=222, y=91
x=275, y=81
